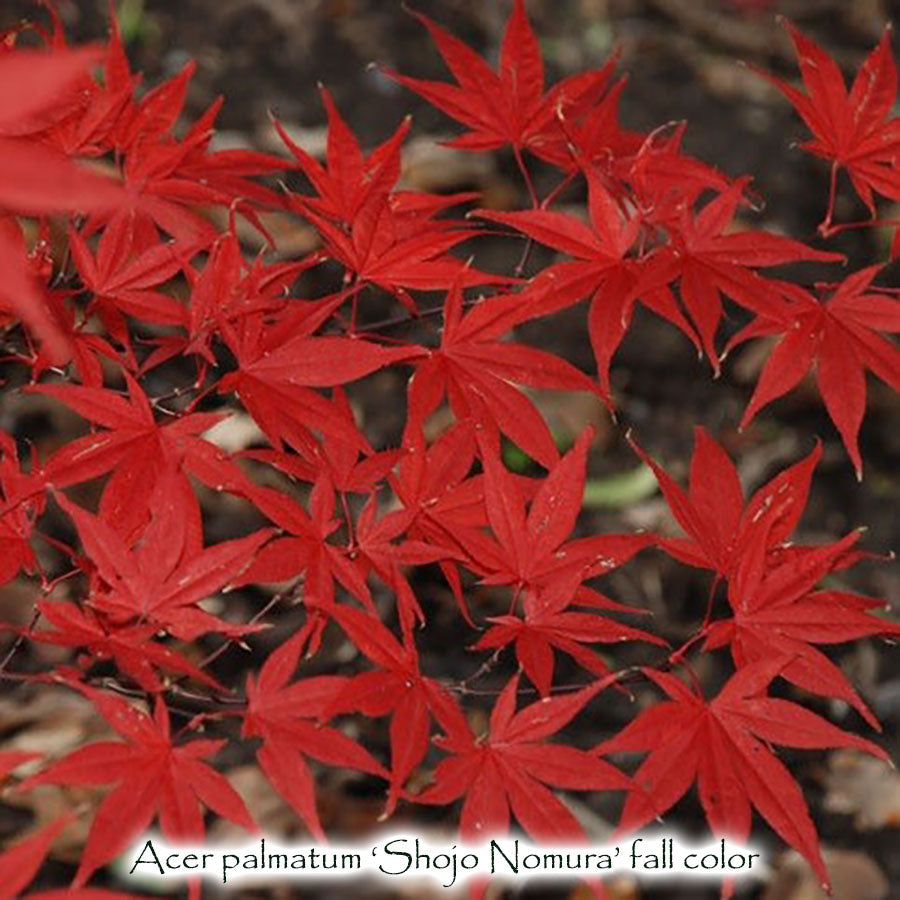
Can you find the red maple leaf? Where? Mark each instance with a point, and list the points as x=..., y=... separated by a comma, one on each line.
x=839, y=337
x=722, y=745
x=289, y=717
x=37, y=179
x=304, y=548
x=382, y=545
x=22, y=496
x=708, y=260
x=122, y=280
x=778, y=611
x=164, y=577
x=511, y=770
x=227, y=289
x=137, y=450
x=602, y=270
x=474, y=368
x=534, y=549
x=279, y=366
x=509, y=106
x=166, y=180
x=131, y=647
x=350, y=178
x=713, y=513
x=397, y=688
x=546, y=568
x=432, y=483
x=152, y=778
x=855, y=130
x=381, y=236
x=21, y=862
x=339, y=460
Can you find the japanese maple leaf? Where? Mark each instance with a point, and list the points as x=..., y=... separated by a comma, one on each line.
x=837, y=336
x=99, y=111
x=75, y=343
x=777, y=610
x=383, y=546
x=511, y=770
x=473, y=368
x=131, y=647
x=349, y=177
x=164, y=577
x=547, y=625
x=534, y=549
x=288, y=716
x=397, y=688
x=547, y=569
x=855, y=130
x=509, y=106
x=228, y=289
x=590, y=134
x=36, y=178
x=280, y=364
x=339, y=460
x=723, y=745
x=167, y=179
x=381, y=236
x=431, y=482
x=136, y=449
x=708, y=260
x=126, y=282
x=20, y=862
x=713, y=512
x=663, y=178
x=399, y=250
x=303, y=547
x=602, y=269
x=152, y=778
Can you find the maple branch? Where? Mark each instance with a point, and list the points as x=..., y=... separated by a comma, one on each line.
x=20, y=640
x=406, y=318
x=271, y=604
x=485, y=667
x=117, y=687
x=627, y=675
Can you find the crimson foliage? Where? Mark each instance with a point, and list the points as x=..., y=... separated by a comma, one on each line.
x=113, y=272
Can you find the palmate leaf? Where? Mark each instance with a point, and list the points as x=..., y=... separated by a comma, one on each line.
x=855, y=130
x=777, y=609
x=721, y=745
x=289, y=716
x=840, y=336
x=509, y=106
x=163, y=578
x=37, y=179
x=535, y=554
x=511, y=770
x=151, y=777
x=475, y=370
x=719, y=524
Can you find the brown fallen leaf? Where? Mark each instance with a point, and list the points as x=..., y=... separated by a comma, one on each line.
x=864, y=786
x=854, y=876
